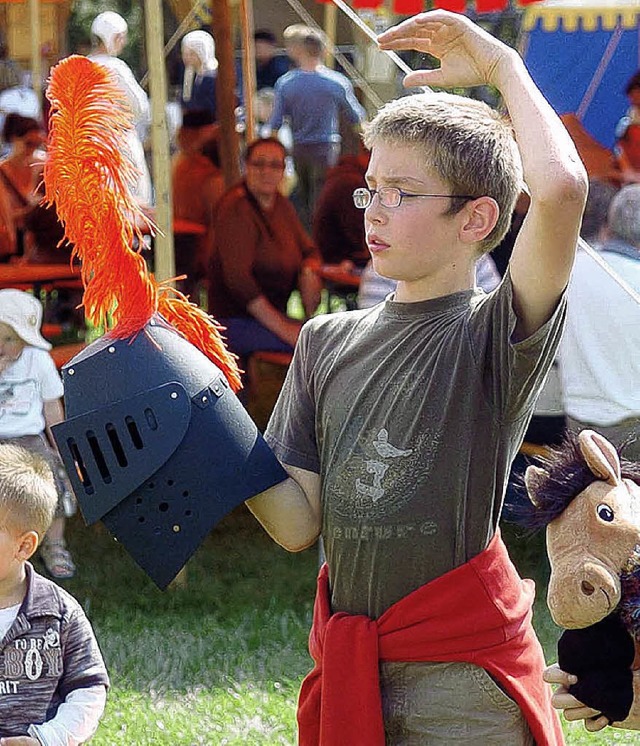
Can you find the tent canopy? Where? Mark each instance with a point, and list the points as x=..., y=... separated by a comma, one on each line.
x=581, y=53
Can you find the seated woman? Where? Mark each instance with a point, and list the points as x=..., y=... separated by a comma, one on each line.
x=197, y=184
x=261, y=254
x=21, y=171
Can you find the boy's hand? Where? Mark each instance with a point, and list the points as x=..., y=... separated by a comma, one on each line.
x=19, y=741
x=572, y=708
x=469, y=56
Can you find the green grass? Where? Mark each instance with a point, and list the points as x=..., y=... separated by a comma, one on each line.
x=220, y=660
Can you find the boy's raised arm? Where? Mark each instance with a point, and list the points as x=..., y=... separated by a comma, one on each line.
x=469, y=56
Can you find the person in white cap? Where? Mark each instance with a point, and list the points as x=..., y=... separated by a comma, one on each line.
x=109, y=38
x=30, y=405
x=200, y=71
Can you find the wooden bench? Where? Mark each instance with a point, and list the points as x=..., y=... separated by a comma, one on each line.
x=61, y=354
x=273, y=358
x=264, y=378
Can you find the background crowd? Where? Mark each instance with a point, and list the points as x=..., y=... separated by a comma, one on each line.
x=253, y=253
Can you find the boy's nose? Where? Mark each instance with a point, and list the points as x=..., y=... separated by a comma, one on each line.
x=375, y=212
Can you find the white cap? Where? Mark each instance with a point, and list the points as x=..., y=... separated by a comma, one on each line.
x=23, y=313
x=106, y=26
x=202, y=44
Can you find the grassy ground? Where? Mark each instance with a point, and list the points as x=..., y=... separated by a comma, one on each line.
x=219, y=661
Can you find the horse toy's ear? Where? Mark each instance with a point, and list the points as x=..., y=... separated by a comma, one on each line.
x=532, y=478
x=601, y=457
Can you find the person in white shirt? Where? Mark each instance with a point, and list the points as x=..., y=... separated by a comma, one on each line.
x=109, y=38
x=599, y=363
x=30, y=405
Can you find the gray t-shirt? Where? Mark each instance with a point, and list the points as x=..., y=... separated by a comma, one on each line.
x=411, y=413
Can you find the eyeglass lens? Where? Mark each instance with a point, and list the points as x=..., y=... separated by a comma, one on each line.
x=272, y=165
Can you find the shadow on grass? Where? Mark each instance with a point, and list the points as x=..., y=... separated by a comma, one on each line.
x=244, y=612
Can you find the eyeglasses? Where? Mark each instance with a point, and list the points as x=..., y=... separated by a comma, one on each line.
x=392, y=197
x=271, y=165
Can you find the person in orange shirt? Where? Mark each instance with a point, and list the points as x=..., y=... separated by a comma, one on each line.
x=198, y=184
x=21, y=171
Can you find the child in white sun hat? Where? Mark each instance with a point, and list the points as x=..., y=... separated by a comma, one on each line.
x=30, y=404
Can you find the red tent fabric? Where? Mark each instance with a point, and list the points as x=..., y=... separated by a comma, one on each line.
x=410, y=7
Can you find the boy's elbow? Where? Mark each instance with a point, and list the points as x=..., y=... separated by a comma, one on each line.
x=299, y=546
x=566, y=190
x=571, y=185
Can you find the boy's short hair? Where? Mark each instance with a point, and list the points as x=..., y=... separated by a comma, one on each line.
x=311, y=39
x=469, y=145
x=28, y=495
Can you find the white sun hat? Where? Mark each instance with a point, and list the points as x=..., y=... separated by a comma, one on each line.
x=23, y=313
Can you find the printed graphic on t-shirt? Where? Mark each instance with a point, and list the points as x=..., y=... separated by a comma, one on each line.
x=380, y=475
x=29, y=659
x=17, y=398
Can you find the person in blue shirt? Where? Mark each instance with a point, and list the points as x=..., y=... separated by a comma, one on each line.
x=312, y=98
x=199, y=87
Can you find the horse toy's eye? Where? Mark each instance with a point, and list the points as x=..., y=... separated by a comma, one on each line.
x=605, y=513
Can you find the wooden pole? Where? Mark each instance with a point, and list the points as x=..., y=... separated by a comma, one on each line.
x=36, y=44
x=248, y=67
x=164, y=259
x=330, y=27
x=225, y=90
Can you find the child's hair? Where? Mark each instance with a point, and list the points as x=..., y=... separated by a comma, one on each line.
x=311, y=39
x=28, y=495
x=469, y=145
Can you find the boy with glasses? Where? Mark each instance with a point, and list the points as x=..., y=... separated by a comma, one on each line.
x=398, y=424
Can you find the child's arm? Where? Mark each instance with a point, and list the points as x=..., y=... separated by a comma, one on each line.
x=290, y=512
x=53, y=414
x=544, y=250
x=76, y=720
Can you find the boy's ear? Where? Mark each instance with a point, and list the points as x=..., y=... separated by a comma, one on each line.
x=481, y=216
x=27, y=545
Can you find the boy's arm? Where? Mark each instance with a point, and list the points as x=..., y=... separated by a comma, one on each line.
x=291, y=512
x=544, y=251
x=76, y=719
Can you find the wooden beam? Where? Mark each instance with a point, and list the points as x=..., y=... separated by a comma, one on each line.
x=330, y=26
x=225, y=90
x=164, y=259
x=36, y=44
x=248, y=67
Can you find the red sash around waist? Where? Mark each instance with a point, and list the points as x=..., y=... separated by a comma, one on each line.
x=478, y=613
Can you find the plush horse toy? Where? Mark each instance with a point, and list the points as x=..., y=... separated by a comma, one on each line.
x=589, y=501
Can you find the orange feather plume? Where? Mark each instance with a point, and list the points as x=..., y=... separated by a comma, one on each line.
x=87, y=177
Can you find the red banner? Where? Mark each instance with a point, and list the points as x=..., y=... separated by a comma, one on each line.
x=410, y=7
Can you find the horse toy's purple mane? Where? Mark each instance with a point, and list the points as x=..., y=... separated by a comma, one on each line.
x=589, y=501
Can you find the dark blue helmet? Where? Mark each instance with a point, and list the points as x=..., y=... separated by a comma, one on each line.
x=157, y=446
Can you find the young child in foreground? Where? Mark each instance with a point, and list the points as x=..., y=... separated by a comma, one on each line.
x=30, y=405
x=398, y=424
x=53, y=681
